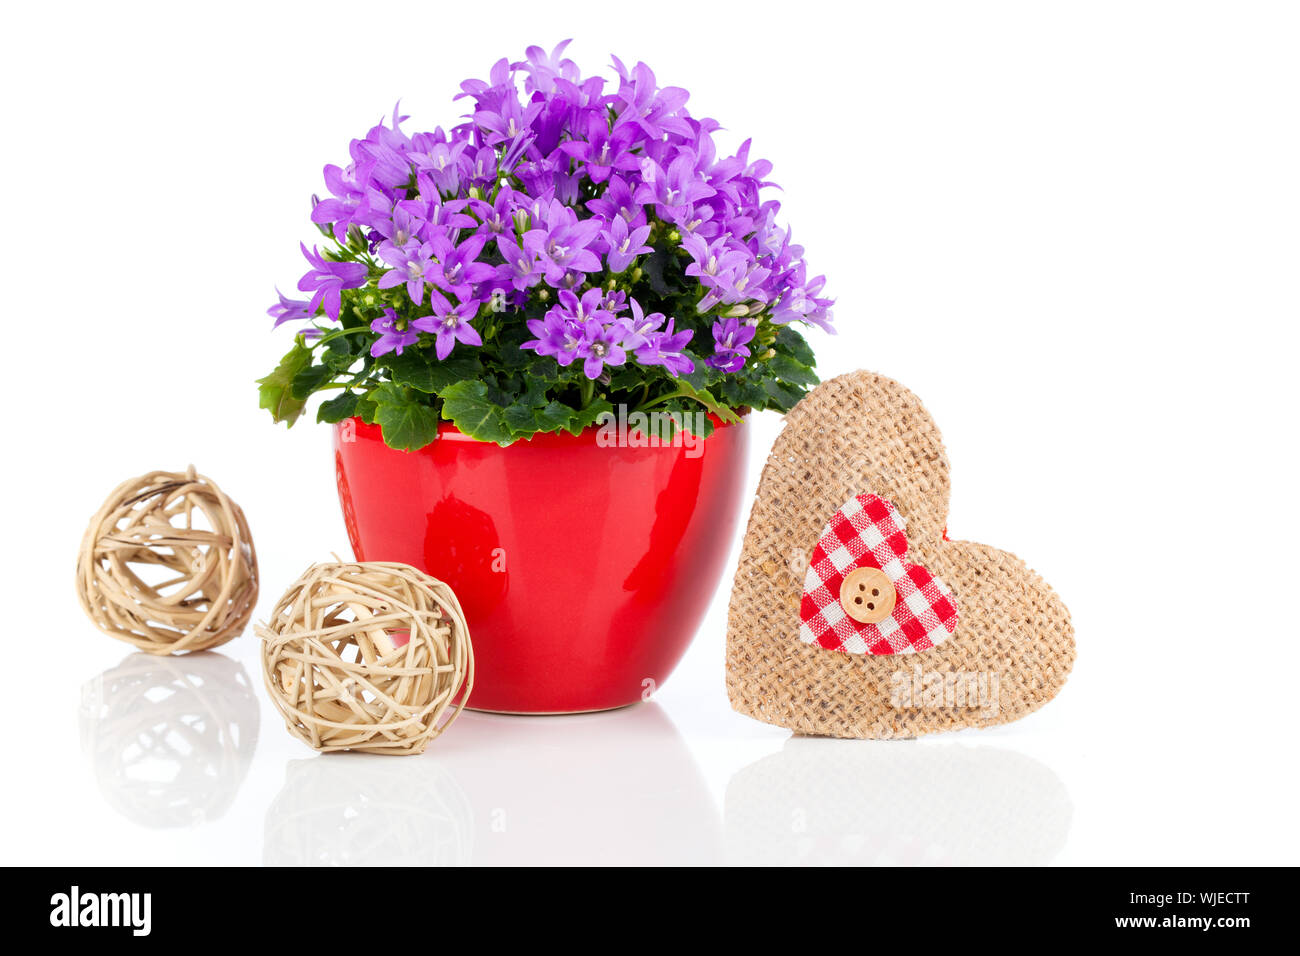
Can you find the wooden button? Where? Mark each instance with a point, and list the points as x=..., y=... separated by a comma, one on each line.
x=867, y=595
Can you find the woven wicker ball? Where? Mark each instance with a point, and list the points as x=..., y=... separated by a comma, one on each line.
x=367, y=656
x=167, y=564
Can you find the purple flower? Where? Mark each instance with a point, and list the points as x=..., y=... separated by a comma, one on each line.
x=565, y=330
x=451, y=324
x=624, y=245
x=557, y=335
x=327, y=279
x=543, y=200
x=507, y=121
x=348, y=188
x=561, y=244
x=411, y=266
x=543, y=69
x=457, y=268
x=393, y=337
x=802, y=303
x=288, y=310
x=603, y=151
x=729, y=349
x=521, y=269
x=617, y=201
x=674, y=190
x=601, y=345
x=434, y=157
x=402, y=229
x=665, y=348
x=495, y=218
x=641, y=325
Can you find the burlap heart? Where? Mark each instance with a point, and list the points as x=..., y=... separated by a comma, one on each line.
x=1013, y=645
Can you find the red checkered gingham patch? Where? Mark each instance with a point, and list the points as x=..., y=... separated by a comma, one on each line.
x=867, y=531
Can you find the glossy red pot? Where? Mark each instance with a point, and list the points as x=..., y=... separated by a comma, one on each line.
x=583, y=570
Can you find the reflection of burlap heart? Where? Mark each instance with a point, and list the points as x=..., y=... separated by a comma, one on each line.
x=1013, y=645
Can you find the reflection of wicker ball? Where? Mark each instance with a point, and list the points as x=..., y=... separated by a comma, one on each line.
x=167, y=564
x=170, y=738
x=367, y=656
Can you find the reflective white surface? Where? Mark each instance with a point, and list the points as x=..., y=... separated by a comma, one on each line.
x=184, y=761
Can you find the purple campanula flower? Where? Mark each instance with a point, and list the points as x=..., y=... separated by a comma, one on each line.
x=288, y=310
x=603, y=150
x=672, y=190
x=729, y=345
x=665, y=348
x=561, y=243
x=556, y=334
x=348, y=187
x=403, y=228
x=495, y=218
x=641, y=326
x=327, y=279
x=411, y=265
x=393, y=336
x=601, y=345
x=488, y=94
x=521, y=269
x=618, y=201
x=543, y=68
x=544, y=200
x=507, y=121
x=615, y=302
x=439, y=160
x=457, y=268
x=451, y=324
x=711, y=261
x=624, y=245
x=565, y=331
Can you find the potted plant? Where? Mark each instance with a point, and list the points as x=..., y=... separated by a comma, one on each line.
x=538, y=334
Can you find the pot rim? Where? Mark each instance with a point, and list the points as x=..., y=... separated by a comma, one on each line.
x=447, y=431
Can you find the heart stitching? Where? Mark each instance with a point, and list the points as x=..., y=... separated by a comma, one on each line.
x=868, y=532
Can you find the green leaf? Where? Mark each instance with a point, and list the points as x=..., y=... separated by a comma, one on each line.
x=366, y=409
x=275, y=391
x=407, y=422
x=554, y=416
x=527, y=420
x=791, y=341
x=789, y=370
x=584, y=418
x=725, y=414
x=418, y=369
x=782, y=397
x=467, y=405
x=339, y=408
x=310, y=379
x=339, y=354
x=740, y=392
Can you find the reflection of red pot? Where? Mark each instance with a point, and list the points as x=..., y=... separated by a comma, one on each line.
x=583, y=570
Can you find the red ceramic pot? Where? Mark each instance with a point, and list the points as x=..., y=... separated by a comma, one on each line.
x=583, y=570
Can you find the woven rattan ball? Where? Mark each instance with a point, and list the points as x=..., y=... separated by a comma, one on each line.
x=167, y=564
x=367, y=656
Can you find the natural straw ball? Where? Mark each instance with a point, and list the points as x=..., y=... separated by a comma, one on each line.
x=367, y=656
x=167, y=564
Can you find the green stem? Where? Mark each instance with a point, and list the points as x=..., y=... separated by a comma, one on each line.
x=664, y=398
x=588, y=390
x=329, y=336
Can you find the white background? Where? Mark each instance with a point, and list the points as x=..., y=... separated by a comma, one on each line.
x=1073, y=229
